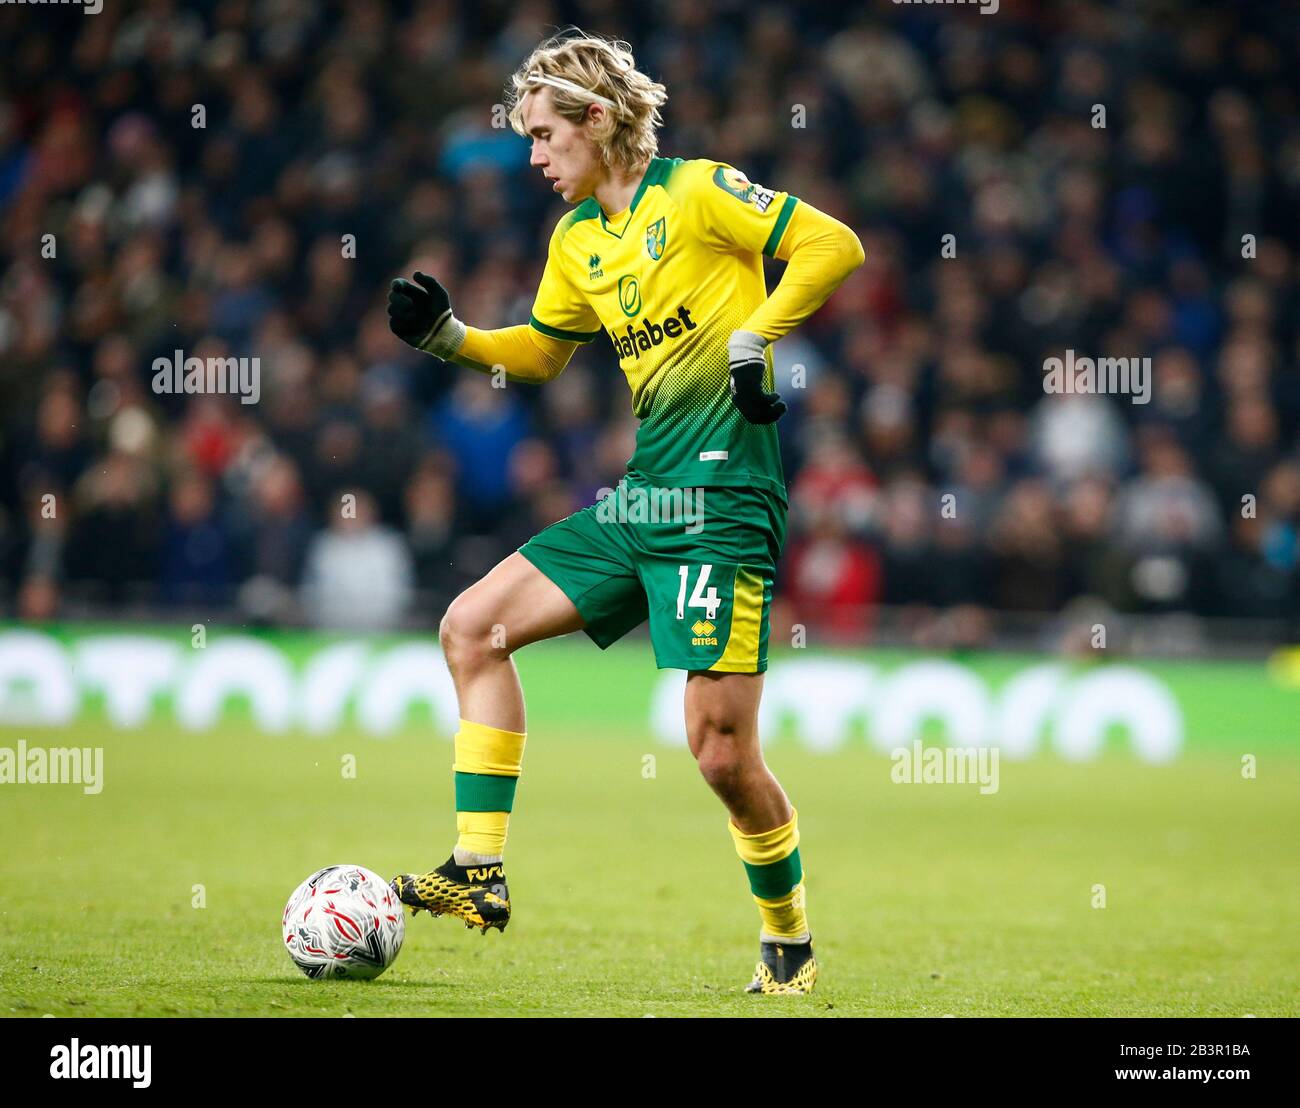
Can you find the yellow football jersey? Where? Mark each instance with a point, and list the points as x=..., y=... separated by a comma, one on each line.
x=668, y=281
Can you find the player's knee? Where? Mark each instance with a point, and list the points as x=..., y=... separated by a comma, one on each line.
x=469, y=636
x=721, y=762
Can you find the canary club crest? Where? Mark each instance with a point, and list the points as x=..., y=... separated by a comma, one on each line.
x=656, y=237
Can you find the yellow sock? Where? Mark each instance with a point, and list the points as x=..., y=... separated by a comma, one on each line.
x=771, y=860
x=487, y=767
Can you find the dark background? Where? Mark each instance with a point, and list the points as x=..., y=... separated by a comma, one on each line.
x=924, y=374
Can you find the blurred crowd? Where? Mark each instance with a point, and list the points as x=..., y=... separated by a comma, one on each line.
x=244, y=177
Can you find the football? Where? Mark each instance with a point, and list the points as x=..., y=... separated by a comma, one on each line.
x=343, y=921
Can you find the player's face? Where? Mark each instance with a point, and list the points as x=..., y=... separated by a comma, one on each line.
x=561, y=150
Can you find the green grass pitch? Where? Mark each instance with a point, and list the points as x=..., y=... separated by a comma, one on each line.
x=628, y=898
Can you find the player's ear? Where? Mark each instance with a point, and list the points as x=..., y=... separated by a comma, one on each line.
x=596, y=116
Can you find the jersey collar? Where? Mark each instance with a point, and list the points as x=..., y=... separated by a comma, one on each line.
x=651, y=176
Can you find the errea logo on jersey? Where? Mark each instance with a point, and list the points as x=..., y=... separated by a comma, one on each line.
x=636, y=340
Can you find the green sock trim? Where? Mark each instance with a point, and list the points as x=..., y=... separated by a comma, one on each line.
x=775, y=879
x=484, y=792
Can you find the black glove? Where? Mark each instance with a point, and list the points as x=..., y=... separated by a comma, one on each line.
x=747, y=393
x=417, y=312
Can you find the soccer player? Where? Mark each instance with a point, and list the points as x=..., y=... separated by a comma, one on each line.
x=664, y=256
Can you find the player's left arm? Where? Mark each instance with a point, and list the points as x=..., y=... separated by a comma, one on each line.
x=732, y=214
x=819, y=252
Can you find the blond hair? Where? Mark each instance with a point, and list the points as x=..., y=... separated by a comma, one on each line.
x=581, y=70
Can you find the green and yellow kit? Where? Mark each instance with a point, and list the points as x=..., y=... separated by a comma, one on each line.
x=691, y=536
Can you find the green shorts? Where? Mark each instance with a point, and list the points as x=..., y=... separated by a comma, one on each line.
x=698, y=563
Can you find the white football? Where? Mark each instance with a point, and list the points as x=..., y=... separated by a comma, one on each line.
x=343, y=921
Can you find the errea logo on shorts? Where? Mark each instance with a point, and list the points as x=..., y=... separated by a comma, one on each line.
x=703, y=632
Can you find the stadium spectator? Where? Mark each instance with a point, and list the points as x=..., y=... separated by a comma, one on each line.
x=358, y=573
x=271, y=226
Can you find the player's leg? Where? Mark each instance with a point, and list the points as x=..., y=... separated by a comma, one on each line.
x=513, y=605
x=709, y=590
x=577, y=574
x=722, y=730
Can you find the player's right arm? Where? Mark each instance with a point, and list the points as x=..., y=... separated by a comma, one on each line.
x=420, y=314
x=525, y=354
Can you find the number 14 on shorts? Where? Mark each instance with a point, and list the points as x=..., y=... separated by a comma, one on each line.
x=709, y=601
